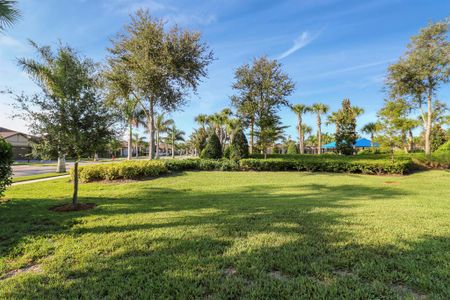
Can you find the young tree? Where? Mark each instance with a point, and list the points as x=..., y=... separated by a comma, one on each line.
x=6, y=161
x=270, y=131
x=319, y=109
x=345, y=128
x=239, y=145
x=163, y=65
x=69, y=114
x=300, y=110
x=424, y=68
x=173, y=136
x=213, y=148
x=162, y=125
x=262, y=89
x=370, y=128
x=9, y=14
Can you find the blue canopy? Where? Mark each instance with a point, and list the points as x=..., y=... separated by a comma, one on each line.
x=360, y=143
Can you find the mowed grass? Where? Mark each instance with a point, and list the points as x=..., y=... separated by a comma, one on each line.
x=225, y=235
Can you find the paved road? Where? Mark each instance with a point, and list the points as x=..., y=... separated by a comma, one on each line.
x=27, y=170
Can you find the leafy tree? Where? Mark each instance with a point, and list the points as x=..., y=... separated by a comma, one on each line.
x=292, y=148
x=262, y=89
x=9, y=14
x=300, y=110
x=213, y=149
x=239, y=146
x=391, y=117
x=162, y=125
x=345, y=128
x=270, y=131
x=319, y=109
x=424, y=68
x=6, y=161
x=173, y=136
x=202, y=120
x=69, y=115
x=163, y=65
x=438, y=137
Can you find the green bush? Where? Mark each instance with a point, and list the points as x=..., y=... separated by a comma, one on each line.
x=444, y=148
x=239, y=146
x=213, y=149
x=437, y=160
x=292, y=148
x=335, y=164
x=227, y=151
x=121, y=170
x=5, y=165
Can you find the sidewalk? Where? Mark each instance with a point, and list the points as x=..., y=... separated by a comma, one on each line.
x=39, y=180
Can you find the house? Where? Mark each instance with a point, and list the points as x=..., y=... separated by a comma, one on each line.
x=21, y=142
x=360, y=144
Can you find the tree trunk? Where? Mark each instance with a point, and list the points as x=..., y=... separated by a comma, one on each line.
x=157, y=144
x=137, y=150
x=130, y=142
x=411, y=141
x=428, y=126
x=61, y=165
x=173, y=149
x=75, y=184
x=151, y=131
x=252, y=135
x=371, y=140
x=405, y=146
x=95, y=156
x=319, y=136
x=300, y=135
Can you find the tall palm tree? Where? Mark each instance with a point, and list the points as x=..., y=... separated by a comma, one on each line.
x=174, y=135
x=202, y=120
x=161, y=126
x=319, y=109
x=9, y=14
x=370, y=128
x=300, y=110
x=232, y=127
x=138, y=141
x=307, y=130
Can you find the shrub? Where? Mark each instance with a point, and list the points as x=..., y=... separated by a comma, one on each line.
x=121, y=170
x=213, y=149
x=227, y=151
x=5, y=165
x=444, y=148
x=329, y=164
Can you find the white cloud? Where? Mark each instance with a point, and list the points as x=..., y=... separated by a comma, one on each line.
x=302, y=41
x=8, y=41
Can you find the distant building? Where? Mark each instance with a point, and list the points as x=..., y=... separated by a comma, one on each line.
x=21, y=142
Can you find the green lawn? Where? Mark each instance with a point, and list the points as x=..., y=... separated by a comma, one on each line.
x=37, y=176
x=231, y=235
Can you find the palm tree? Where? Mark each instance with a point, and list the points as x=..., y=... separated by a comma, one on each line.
x=8, y=13
x=161, y=126
x=370, y=128
x=138, y=141
x=307, y=130
x=300, y=110
x=319, y=109
x=232, y=127
x=174, y=135
x=202, y=120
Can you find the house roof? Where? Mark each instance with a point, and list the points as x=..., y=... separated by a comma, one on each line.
x=360, y=143
x=6, y=133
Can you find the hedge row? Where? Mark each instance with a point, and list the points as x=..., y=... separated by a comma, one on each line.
x=145, y=168
x=320, y=164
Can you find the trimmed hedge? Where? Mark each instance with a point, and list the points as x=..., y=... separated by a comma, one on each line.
x=328, y=164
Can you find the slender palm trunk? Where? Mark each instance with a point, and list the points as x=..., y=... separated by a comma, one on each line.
x=371, y=140
x=319, y=135
x=130, y=142
x=61, y=165
x=157, y=144
x=151, y=131
x=411, y=141
x=173, y=149
x=300, y=135
x=75, y=184
x=405, y=146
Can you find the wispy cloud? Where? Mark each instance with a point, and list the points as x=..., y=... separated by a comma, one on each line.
x=352, y=68
x=301, y=41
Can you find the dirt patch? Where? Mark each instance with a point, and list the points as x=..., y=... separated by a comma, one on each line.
x=27, y=269
x=392, y=182
x=70, y=207
x=230, y=271
x=278, y=275
x=404, y=290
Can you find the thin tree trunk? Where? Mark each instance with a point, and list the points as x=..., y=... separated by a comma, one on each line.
x=319, y=135
x=61, y=165
x=173, y=149
x=130, y=142
x=151, y=131
x=157, y=144
x=75, y=184
x=252, y=135
x=371, y=140
x=300, y=135
x=428, y=127
x=95, y=156
x=411, y=141
x=405, y=146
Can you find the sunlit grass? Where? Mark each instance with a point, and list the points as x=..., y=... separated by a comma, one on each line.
x=231, y=235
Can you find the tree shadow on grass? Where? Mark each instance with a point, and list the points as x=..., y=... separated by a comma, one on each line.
x=252, y=242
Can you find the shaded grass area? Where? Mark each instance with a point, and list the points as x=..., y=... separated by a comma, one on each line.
x=37, y=176
x=228, y=235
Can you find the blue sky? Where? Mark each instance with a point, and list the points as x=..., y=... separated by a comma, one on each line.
x=332, y=49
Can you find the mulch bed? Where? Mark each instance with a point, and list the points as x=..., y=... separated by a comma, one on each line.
x=70, y=207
